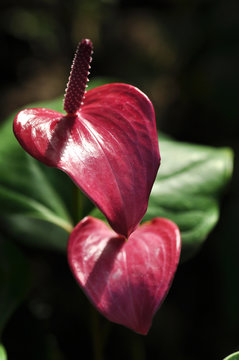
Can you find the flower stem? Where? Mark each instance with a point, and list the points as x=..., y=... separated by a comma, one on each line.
x=77, y=205
x=96, y=334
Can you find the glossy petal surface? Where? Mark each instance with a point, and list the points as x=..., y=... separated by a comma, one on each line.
x=126, y=280
x=109, y=149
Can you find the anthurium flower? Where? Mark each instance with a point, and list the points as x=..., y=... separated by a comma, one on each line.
x=107, y=143
x=126, y=280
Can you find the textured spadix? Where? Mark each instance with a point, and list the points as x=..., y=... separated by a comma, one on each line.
x=126, y=280
x=109, y=148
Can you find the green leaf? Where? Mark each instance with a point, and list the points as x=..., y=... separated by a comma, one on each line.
x=34, y=232
x=187, y=189
x=3, y=354
x=234, y=356
x=24, y=186
x=14, y=279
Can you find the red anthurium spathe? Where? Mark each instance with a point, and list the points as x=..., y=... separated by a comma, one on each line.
x=107, y=144
x=126, y=280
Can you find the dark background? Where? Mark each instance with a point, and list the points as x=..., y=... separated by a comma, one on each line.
x=184, y=55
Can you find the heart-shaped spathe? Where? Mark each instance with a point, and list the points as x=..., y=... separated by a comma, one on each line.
x=109, y=148
x=126, y=280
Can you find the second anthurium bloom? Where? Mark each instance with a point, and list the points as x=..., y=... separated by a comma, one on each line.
x=107, y=143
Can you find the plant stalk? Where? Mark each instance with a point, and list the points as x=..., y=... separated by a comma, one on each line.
x=96, y=334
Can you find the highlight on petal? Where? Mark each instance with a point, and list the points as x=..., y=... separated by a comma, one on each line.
x=127, y=280
x=109, y=148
